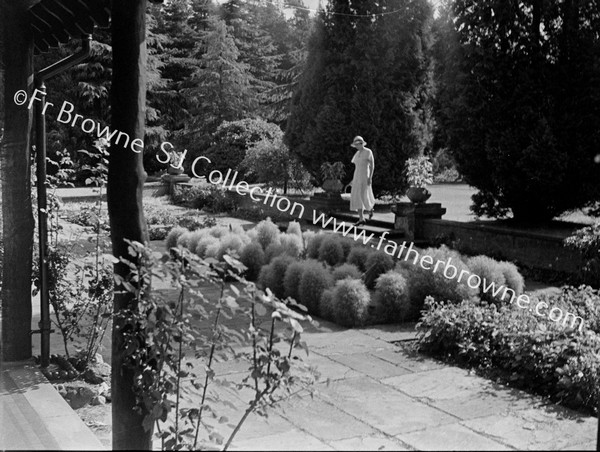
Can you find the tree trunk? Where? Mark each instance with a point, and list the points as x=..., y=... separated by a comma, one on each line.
x=125, y=186
x=15, y=173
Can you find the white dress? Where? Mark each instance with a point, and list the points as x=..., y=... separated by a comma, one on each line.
x=361, y=196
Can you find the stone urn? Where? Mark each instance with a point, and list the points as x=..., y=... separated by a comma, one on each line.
x=418, y=195
x=333, y=186
x=175, y=171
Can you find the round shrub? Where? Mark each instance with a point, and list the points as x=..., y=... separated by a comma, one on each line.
x=314, y=280
x=230, y=244
x=253, y=235
x=294, y=228
x=253, y=257
x=514, y=279
x=377, y=264
x=291, y=281
x=492, y=278
x=392, y=297
x=347, y=245
x=238, y=229
x=272, y=275
x=313, y=244
x=331, y=251
x=219, y=231
x=358, y=256
x=424, y=282
x=266, y=233
x=307, y=236
x=204, y=243
x=184, y=239
x=173, y=237
x=292, y=244
x=351, y=300
x=212, y=249
x=194, y=238
x=273, y=250
x=326, y=307
x=346, y=271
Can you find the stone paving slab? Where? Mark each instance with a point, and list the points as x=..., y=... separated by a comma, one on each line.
x=382, y=407
x=591, y=445
x=345, y=342
x=292, y=440
x=450, y=437
x=553, y=428
x=330, y=369
x=368, y=443
x=370, y=365
x=414, y=363
x=323, y=420
x=496, y=400
x=391, y=333
x=440, y=384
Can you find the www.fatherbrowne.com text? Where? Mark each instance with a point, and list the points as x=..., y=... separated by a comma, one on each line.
x=67, y=115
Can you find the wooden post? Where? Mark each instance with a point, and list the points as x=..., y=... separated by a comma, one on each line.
x=17, y=213
x=125, y=189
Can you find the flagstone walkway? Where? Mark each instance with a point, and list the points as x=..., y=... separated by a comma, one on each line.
x=372, y=395
x=381, y=397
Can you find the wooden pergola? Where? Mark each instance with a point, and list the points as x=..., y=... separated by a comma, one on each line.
x=55, y=22
x=33, y=27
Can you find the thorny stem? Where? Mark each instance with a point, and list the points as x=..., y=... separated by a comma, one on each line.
x=292, y=344
x=249, y=410
x=270, y=350
x=210, y=359
x=92, y=339
x=179, y=358
x=254, y=360
x=162, y=439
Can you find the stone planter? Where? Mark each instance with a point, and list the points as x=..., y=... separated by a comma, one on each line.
x=175, y=171
x=418, y=195
x=333, y=186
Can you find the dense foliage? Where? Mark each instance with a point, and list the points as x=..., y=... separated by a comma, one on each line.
x=518, y=102
x=530, y=352
x=587, y=241
x=367, y=73
x=207, y=63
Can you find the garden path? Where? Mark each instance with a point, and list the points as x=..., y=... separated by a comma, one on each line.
x=374, y=394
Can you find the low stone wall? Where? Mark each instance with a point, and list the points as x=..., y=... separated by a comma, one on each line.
x=294, y=212
x=533, y=249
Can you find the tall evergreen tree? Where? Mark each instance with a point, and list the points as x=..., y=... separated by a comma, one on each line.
x=221, y=88
x=366, y=73
x=290, y=36
x=519, y=106
x=255, y=44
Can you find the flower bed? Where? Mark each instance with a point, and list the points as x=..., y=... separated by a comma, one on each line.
x=338, y=278
x=529, y=352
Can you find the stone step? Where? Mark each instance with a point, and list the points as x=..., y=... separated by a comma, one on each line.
x=374, y=227
x=352, y=218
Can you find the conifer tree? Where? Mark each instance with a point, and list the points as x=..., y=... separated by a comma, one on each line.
x=518, y=104
x=367, y=74
x=220, y=87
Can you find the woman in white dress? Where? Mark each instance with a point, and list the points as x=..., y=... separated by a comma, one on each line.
x=361, y=196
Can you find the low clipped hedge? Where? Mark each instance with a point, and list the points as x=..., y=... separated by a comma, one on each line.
x=302, y=265
x=530, y=352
